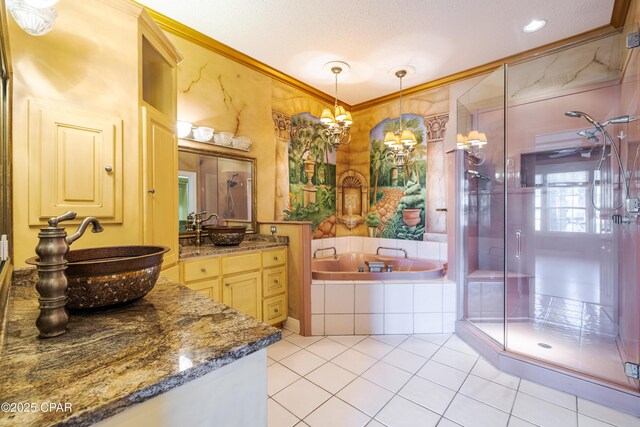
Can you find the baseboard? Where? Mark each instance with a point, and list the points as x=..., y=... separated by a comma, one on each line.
x=292, y=325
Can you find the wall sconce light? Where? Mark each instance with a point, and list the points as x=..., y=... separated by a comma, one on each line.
x=472, y=143
x=35, y=17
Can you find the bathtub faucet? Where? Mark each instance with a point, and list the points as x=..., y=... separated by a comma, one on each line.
x=335, y=253
x=392, y=249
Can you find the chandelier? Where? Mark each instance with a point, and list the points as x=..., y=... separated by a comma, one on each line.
x=401, y=144
x=336, y=125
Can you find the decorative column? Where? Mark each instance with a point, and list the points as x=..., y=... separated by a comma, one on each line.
x=282, y=132
x=435, y=218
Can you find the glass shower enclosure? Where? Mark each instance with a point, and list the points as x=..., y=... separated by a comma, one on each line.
x=549, y=187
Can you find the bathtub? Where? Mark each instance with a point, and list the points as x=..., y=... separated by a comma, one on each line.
x=345, y=267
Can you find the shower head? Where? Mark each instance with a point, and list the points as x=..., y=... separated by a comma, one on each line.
x=591, y=136
x=586, y=117
x=231, y=182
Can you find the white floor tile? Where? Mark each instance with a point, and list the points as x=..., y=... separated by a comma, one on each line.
x=428, y=394
x=551, y=395
x=455, y=359
x=517, y=422
x=278, y=377
x=442, y=374
x=456, y=343
x=336, y=413
x=302, y=424
x=279, y=416
x=608, y=415
x=584, y=421
x=484, y=369
x=471, y=413
x=301, y=397
x=270, y=361
x=354, y=361
x=331, y=377
x=401, y=412
x=365, y=396
x=348, y=340
x=394, y=340
x=542, y=413
x=281, y=349
x=438, y=339
x=286, y=333
x=444, y=422
x=302, y=362
x=485, y=391
x=301, y=341
x=373, y=348
x=387, y=376
x=326, y=348
x=406, y=360
x=419, y=347
x=374, y=423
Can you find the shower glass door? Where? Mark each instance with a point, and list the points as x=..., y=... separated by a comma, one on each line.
x=571, y=248
x=480, y=160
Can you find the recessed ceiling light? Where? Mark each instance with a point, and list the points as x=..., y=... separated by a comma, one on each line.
x=534, y=25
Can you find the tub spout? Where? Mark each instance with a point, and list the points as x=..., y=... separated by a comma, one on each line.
x=97, y=228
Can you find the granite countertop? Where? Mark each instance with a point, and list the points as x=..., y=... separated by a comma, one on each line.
x=252, y=242
x=116, y=358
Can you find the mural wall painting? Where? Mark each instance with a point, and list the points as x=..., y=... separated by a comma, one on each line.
x=398, y=194
x=312, y=177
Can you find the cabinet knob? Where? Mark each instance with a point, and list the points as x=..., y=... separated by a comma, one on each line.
x=275, y=281
x=109, y=169
x=276, y=310
x=227, y=284
x=204, y=270
x=152, y=191
x=275, y=258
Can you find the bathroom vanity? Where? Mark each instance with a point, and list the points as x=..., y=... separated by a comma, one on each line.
x=251, y=277
x=174, y=357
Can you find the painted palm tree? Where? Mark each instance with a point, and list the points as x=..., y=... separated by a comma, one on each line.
x=377, y=165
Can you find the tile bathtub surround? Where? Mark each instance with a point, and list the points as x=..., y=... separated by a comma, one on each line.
x=413, y=380
x=112, y=359
x=368, y=307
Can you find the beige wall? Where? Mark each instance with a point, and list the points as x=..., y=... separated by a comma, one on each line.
x=84, y=64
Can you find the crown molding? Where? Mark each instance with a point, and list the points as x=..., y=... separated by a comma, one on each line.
x=618, y=17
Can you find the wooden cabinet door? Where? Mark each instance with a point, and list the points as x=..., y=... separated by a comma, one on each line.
x=160, y=183
x=244, y=293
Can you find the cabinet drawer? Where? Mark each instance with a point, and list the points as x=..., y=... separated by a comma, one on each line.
x=240, y=263
x=273, y=258
x=200, y=269
x=274, y=309
x=274, y=281
x=208, y=288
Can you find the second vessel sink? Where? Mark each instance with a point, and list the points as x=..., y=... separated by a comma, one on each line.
x=226, y=235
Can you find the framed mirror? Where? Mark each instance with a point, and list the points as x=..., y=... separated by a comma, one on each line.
x=218, y=183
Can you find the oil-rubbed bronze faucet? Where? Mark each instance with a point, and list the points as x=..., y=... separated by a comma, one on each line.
x=52, y=283
x=198, y=225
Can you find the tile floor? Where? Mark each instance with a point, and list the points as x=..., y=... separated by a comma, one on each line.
x=411, y=380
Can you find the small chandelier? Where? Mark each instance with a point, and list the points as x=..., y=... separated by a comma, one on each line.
x=400, y=144
x=336, y=125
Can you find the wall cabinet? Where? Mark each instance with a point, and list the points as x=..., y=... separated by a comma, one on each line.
x=254, y=283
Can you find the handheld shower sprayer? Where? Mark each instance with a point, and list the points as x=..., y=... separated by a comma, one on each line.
x=586, y=117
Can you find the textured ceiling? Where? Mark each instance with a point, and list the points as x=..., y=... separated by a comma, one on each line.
x=436, y=37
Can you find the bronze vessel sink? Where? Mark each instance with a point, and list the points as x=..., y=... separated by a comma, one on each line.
x=103, y=277
x=226, y=235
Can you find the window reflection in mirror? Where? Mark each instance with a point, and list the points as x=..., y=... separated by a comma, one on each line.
x=217, y=184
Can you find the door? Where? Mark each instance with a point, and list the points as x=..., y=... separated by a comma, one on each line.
x=243, y=292
x=160, y=183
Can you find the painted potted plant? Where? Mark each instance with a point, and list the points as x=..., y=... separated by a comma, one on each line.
x=373, y=221
x=412, y=202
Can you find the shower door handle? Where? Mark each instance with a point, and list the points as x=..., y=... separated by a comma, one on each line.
x=518, y=243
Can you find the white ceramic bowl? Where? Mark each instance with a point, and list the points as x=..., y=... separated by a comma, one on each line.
x=223, y=138
x=202, y=133
x=242, y=142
